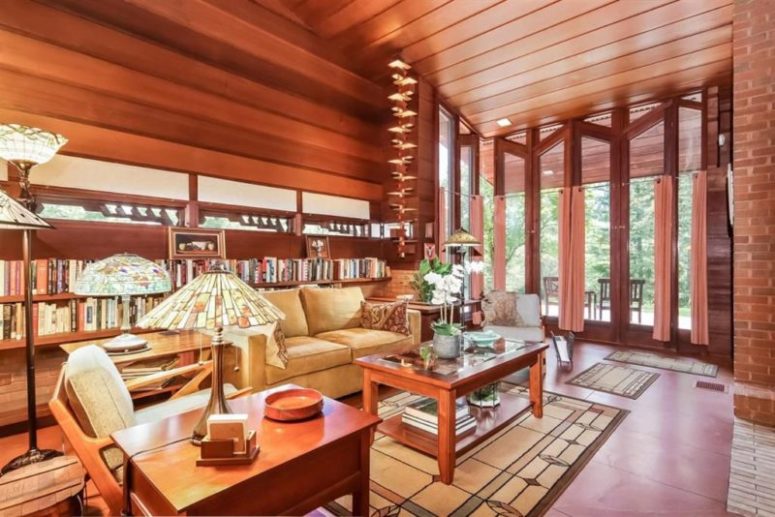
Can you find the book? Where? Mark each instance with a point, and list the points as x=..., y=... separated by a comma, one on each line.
x=426, y=410
x=461, y=426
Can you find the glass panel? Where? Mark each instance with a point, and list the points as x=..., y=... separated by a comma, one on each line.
x=520, y=138
x=602, y=119
x=466, y=157
x=446, y=171
x=637, y=112
x=515, y=252
x=487, y=190
x=689, y=161
x=596, y=174
x=551, y=169
x=116, y=214
x=647, y=152
x=548, y=131
x=696, y=97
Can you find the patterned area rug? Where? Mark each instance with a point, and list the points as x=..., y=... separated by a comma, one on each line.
x=676, y=364
x=619, y=380
x=519, y=471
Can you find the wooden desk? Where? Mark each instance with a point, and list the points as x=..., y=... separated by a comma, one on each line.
x=445, y=389
x=163, y=343
x=301, y=466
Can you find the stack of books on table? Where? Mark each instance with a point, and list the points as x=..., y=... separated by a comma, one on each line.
x=423, y=414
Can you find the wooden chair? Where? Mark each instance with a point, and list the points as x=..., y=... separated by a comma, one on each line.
x=604, y=296
x=90, y=449
x=636, y=296
x=551, y=292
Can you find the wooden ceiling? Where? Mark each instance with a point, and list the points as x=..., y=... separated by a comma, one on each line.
x=531, y=61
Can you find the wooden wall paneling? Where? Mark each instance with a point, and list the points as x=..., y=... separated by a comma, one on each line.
x=114, y=46
x=98, y=143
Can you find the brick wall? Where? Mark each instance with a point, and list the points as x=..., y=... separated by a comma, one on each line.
x=399, y=283
x=754, y=195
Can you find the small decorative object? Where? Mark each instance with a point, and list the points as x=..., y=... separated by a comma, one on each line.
x=293, y=404
x=318, y=247
x=447, y=335
x=213, y=300
x=429, y=251
x=400, y=133
x=229, y=427
x=187, y=243
x=428, y=356
x=25, y=147
x=485, y=339
x=486, y=397
x=123, y=275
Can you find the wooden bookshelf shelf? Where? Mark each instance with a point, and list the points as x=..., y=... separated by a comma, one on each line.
x=40, y=297
x=322, y=282
x=66, y=337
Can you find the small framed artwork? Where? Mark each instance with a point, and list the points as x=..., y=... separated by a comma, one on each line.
x=429, y=250
x=318, y=247
x=190, y=243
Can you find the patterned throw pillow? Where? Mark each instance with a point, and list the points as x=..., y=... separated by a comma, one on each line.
x=385, y=316
x=500, y=308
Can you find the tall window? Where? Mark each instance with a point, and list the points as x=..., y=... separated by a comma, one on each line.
x=466, y=170
x=516, y=250
x=487, y=191
x=446, y=169
x=596, y=176
x=689, y=162
x=551, y=173
x=646, y=163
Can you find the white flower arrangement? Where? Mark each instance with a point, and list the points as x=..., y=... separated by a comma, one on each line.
x=446, y=292
x=474, y=267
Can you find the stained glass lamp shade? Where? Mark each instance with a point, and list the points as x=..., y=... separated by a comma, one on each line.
x=13, y=216
x=213, y=300
x=123, y=275
x=28, y=144
x=461, y=238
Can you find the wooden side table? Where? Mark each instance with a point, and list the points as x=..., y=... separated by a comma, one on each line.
x=306, y=464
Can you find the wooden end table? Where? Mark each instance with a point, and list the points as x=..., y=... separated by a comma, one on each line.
x=445, y=389
x=301, y=466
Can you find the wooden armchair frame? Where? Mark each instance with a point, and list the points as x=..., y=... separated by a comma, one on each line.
x=89, y=449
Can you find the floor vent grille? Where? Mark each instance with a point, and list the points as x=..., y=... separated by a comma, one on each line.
x=714, y=386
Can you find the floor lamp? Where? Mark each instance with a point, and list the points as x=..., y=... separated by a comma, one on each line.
x=25, y=147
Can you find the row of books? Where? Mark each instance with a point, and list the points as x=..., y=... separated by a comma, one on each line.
x=88, y=314
x=423, y=414
x=49, y=276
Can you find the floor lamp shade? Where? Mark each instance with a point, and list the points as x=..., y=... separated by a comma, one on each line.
x=213, y=300
x=123, y=275
x=13, y=216
x=28, y=144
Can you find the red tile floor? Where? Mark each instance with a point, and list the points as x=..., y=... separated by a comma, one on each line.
x=669, y=457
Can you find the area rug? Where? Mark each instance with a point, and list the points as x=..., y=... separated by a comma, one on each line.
x=676, y=364
x=518, y=471
x=619, y=380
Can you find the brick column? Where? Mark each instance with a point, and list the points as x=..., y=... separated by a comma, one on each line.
x=754, y=197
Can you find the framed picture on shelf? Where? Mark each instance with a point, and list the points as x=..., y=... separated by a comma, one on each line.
x=318, y=247
x=429, y=250
x=190, y=243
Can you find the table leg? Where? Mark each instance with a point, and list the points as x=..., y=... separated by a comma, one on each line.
x=447, y=438
x=537, y=385
x=361, y=496
x=370, y=398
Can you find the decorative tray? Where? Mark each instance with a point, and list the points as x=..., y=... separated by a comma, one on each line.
x=293, y=404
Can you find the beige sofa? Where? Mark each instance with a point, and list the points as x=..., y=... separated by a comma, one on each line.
x=323, y=335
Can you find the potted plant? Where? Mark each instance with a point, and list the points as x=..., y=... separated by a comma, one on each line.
x=446, y=288
x=424, y=288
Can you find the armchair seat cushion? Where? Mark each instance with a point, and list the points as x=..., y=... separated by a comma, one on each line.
x=521, y=333
x=306, y=355
x=365, y=342
x=177, y=406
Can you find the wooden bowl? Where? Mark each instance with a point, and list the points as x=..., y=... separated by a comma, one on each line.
x=293, y=404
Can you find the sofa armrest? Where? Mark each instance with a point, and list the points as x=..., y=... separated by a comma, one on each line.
x=415, y=325
x=245, y=360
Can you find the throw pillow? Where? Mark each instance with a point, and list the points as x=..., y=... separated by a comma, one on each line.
x=500, y=308
x=385, y=316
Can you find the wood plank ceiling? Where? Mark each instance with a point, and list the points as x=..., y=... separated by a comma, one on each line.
x=531, y=61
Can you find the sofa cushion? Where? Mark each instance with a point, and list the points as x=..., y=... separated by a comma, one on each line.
x=289, y=301
x=519, y=333
x=332, y=309
x=306, y=355
x=529, y=308
x=367, y=341
x=500, y=308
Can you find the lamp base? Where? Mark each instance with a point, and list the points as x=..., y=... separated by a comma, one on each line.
x=28, y=458
x=124, y=343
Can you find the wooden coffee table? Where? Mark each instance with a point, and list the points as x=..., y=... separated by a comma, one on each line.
x=301, y=466
x=445, y=389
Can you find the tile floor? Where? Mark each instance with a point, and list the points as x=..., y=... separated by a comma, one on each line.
x=670, y=456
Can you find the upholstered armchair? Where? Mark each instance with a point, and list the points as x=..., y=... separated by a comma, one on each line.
x=91, y=401
x=513, y=315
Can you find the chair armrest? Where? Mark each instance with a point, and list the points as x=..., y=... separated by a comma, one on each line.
x=136, y=384
x=415, y=325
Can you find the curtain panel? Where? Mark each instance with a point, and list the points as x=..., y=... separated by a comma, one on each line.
x=698, y=270
x=571, y=247
x=663, y=238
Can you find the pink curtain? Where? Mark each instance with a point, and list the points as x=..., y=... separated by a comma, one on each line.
x=571, y=248
x=499, y=255
x=698, y=271
x=664, y=221
x=441, y=218
x=477, y=230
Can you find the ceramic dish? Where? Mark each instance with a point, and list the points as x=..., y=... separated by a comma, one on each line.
x=293, y=404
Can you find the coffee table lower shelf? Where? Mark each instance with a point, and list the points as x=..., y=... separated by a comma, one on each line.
x=488, y=421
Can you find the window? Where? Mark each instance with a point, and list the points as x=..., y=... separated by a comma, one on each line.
x=596, y=175
x=108, y=212
x=446, y=169
x=551, y=170
x=466, y=184
x=251, y=222
x=516, y=250
x=487, y=191
x=336, y=228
